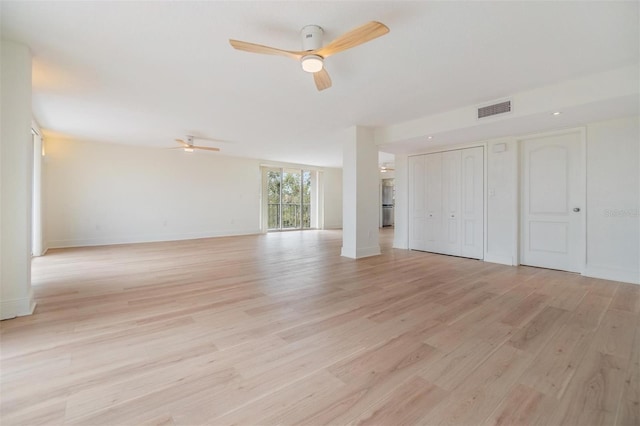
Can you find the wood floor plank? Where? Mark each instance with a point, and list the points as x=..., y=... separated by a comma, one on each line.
x=629, y=405
x=627, y=298
x=161, y=420
x=592, y=396
x=48, y=412
x=494, y=309
x=589, y=312
x=615, y=334
x=555, y=365
x=522, y=407
x=259, y=379
x=381, y=359
x=301, y=396
x=452, y=369
x=368, y=385
x=568, y=294
x=525, y=310
x=541, y=328
x=141, y=404
x=406, y=405
x=484, y=389
x=280, y=329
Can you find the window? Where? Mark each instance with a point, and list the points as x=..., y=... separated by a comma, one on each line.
x=289, y=194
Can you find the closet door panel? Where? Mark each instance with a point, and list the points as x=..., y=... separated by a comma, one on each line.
x=451, y=193
x=472, y=208
x=433, y=202
x=417, y=210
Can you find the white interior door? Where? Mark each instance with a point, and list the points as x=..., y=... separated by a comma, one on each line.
x=451, y=202
x=472, y=211
x=417, y=210
x=433, y=202
x=552, y=202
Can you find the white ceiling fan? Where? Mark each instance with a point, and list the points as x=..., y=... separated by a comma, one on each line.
x=313, y=54
x=189, y=146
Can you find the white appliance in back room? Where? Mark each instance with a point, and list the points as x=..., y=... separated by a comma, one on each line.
x=387, y=202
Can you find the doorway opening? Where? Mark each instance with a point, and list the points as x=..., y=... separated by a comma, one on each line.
x=388, y=203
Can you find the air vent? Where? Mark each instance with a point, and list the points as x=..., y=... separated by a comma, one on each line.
x=495, y=109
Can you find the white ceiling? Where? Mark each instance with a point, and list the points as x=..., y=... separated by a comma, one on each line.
x=145, y=73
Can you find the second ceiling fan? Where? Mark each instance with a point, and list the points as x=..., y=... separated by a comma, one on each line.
x=313, y=54
x=188, y=146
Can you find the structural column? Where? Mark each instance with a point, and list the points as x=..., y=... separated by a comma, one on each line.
x=401, y=220
x=360, y=187
x=16, y=157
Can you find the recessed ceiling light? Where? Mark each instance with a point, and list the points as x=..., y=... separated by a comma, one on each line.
x=557, y=113
x=429, y=137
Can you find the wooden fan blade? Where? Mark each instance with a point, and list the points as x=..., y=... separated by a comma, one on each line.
x=322, y=79
x=353, y=38
x=204, y=138
x=266, y=50
x=205, y=148
x=181, y=142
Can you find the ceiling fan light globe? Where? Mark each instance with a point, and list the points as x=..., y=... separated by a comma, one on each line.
x=312, y=63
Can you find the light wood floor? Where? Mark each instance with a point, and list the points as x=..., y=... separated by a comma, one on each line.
x=279, y=329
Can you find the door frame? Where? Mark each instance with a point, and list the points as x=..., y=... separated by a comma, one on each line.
x=37, y=242
x=581, y=196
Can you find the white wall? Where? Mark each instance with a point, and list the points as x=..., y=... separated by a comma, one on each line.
x=106, y=194
x=99, y=193
x=16, y=156
x=613, y=200
x=332, y=183
x=401, y=208
x=37, y=237
x=501, y=243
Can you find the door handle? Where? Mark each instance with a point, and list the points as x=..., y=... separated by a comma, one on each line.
x=576, y=209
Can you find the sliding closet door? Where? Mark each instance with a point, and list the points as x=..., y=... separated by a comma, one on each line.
x=417, y=210
x=446, y=202
x=472, y=210
x=433, y=202
x=451, y=202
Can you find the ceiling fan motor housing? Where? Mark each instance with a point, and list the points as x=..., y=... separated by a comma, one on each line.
x=311, y=37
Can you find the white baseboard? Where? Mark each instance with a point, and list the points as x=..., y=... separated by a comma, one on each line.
x=361, y=252
x=613, y=274
x=44, y=251
x=133, y=239
x=496, y=258
x=12, y=308
x=332, y=226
